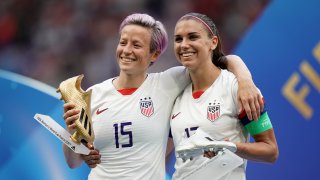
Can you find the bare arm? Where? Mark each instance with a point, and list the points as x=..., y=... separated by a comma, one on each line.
x=73, y=160
x=264, y=149
x=249, y=97
x=70, y=115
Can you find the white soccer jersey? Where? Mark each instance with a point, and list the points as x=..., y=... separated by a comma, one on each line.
x=216, y=112
x=131, y=131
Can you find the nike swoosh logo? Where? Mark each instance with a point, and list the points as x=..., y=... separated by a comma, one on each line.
x=99, y=112
x=175, y=115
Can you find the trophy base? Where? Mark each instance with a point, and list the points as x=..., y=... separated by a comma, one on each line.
x=62, y=134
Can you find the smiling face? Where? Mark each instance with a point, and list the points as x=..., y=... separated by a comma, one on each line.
x=133, y=51
x=192, y=45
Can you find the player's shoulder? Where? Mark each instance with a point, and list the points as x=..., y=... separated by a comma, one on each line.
x=107, y=84
x=227, y=74
x=227, y=77
x=176, y=69
x=172, y=70
x=173, y=73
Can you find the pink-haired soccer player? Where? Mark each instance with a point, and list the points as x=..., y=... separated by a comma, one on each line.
x=131, y=112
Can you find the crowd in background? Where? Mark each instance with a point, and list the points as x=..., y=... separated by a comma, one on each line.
x=52, y=40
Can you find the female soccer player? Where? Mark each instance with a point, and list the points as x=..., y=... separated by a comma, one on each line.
x=131, y=112
x=210, y=101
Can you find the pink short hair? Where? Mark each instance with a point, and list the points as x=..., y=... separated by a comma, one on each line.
x=159, y=36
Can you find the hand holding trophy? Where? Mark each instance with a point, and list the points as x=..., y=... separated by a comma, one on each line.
x=82, y=139
x=71, y=91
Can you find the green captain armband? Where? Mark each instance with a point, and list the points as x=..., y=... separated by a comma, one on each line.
x=263, y=124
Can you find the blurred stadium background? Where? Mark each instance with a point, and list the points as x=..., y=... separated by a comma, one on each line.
x=45, y=42
x=55, y=39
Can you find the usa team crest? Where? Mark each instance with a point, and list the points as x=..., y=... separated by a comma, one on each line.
x=213, y=111
x=146, y=107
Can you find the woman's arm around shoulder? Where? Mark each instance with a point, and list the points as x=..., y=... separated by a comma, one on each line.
x=249, y=96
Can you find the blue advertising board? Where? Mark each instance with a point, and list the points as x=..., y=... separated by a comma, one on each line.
x=28, y=150
x=282, y=50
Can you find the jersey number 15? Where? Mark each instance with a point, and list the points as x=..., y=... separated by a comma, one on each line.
x=122, y=126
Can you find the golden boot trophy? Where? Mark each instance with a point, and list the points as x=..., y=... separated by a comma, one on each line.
x=71, y=91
